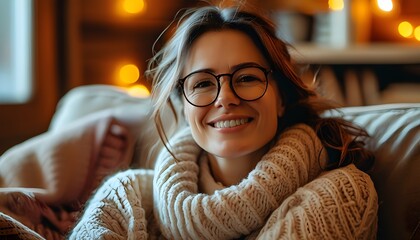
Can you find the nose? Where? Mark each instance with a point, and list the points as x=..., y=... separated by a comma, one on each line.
x=226, y=96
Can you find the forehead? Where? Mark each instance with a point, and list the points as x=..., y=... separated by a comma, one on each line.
x=221, y=50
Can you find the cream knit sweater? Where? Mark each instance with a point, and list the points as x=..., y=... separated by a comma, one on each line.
x=278, y=200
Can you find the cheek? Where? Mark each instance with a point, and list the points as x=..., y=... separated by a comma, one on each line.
x=272, y=108
x=188, y=113
x=271, y=118
x=195, y=118
x=193, y=115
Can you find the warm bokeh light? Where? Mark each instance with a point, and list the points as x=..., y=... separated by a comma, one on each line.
x=405, y=29
x=417, y=33
x=386, y=8
x=134, y=6
x=128, y=74
x=385, y=5
x=139, y=91
x=336, y=5
x=361, y=16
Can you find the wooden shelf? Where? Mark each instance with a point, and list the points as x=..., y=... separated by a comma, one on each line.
x=377, y=53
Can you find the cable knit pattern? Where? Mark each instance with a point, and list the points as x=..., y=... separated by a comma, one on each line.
x=119, y=208
x=340, y=204
x=236, y=211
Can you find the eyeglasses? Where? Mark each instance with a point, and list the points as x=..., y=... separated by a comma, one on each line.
x=202, y=88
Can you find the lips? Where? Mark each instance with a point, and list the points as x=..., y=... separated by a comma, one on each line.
x=231, y=123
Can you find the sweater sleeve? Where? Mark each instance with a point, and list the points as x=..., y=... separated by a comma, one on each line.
x=236, y=211
x=340, y=204
x=119, y=208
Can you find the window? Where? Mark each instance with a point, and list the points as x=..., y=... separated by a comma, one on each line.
x=15, y=51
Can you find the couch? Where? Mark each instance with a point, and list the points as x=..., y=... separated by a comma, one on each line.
x=394, y=131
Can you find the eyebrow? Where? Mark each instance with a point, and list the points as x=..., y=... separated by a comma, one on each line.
x=245, y=64
x=232, y=69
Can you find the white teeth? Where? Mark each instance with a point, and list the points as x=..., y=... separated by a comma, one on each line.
x=230, y=123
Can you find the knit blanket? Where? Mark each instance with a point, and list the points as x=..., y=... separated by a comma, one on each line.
x=284, y=197
x=45, y=180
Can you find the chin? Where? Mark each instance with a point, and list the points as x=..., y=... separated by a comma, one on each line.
x=232, y=151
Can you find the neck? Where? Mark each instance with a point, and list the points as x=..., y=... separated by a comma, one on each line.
x=231, y=171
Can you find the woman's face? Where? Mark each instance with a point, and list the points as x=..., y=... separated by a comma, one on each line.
x=219, y=52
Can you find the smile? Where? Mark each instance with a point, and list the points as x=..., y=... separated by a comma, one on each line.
x=231, y=123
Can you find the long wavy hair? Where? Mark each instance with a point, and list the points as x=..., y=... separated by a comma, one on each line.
x=343, y=140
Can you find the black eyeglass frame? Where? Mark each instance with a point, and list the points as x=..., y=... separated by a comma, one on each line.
x=181, y=82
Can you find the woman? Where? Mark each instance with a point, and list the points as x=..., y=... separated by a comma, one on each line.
x=253, y=159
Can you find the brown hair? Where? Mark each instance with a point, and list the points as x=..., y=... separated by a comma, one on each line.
x=343, y=141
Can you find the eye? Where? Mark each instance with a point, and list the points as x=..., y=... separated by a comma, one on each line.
x=247, y=78
x=203, y=83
